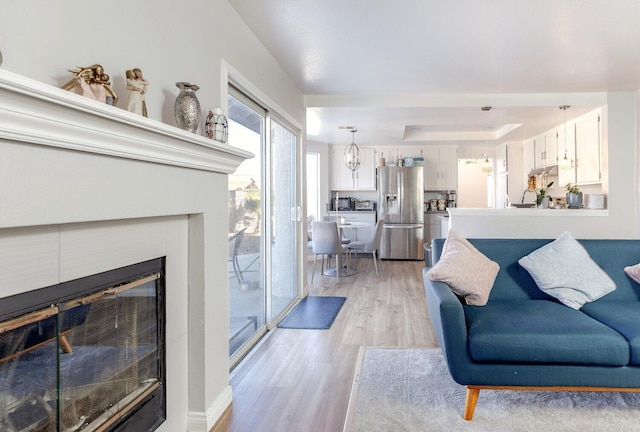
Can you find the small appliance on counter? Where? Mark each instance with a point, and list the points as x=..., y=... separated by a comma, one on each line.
x=436, y=205
x=366, y=205
x=439, y=201
x=343, y=204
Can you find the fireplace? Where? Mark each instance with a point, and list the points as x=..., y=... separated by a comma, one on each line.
x=90, y=188
x=85, y=355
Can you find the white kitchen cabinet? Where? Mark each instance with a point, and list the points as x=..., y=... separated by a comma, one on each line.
x=539, y=149
x=364, y=178
x=546, y=149
x=449, y=168
x=551, y=147
x=366, y=175
x=588, y=143
x=441, y=168
x=431, y=168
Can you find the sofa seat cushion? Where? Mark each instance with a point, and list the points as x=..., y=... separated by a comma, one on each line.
x=540, y=332
x=623, y=317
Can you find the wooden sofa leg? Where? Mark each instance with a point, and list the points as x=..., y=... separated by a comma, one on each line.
x=470, y=402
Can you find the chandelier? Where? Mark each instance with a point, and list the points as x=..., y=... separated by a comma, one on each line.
x=565, y=163
x=352, y=152
x=486, y=166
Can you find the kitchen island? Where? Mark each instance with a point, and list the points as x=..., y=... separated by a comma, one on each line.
x=531, y=223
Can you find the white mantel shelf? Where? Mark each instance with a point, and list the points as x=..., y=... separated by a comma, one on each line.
x=37, y=113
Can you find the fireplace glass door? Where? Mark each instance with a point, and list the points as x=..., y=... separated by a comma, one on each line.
x=82, y=364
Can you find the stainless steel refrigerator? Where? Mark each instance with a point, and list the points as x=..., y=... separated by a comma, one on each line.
x=400, y=204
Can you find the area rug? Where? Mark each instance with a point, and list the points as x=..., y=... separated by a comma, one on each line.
x=411, y=390
x=313, y=312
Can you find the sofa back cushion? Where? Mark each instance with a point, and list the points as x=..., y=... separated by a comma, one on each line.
x=613, y=256
x=514, y=282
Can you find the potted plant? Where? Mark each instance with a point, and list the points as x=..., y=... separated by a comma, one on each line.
x=574, y=196
x=542, y=200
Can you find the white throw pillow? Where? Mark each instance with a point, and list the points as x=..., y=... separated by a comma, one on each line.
x=633, y=272
x=465, y=269
x=564, y=270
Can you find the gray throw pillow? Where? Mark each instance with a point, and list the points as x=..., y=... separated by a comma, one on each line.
x=564, y=270
x=467, y=271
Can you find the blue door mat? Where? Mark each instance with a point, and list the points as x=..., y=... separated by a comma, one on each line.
x=313, y=313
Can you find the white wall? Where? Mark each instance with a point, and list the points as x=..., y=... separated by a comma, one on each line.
x=619, y=220
x=622, y=153
x=170, y=41
x=325, y=169
x=472, y=185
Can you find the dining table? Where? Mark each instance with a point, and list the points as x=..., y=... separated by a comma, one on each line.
x=342, y=269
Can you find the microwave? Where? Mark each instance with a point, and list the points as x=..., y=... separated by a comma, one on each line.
x=343, y=204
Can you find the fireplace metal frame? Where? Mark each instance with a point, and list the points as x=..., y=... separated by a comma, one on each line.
x=149, y=410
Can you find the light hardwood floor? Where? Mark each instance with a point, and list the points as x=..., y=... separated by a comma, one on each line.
x=300, y=380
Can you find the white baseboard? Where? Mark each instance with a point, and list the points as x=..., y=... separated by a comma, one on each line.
x=198, y=421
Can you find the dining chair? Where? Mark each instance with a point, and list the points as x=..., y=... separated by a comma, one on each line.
x=236, y=239
x=343, y=238
x=326, y=241
x=373, y=245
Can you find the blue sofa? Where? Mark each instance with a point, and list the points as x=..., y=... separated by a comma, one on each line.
x=525, y=339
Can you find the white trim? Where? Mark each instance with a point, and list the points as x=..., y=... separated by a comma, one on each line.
x=37, y=113
x=198, y=421
x=229, y=73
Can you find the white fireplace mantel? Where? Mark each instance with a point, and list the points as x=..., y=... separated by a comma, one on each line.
x=37, y=113
x=86, y=188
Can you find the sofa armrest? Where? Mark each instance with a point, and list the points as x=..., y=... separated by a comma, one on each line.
x=447, y=316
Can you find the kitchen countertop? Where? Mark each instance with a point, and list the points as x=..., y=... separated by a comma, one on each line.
x=530, y=212
x=350, y=211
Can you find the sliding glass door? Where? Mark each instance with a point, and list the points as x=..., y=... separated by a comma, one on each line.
x=263, y=217
x=285, y=213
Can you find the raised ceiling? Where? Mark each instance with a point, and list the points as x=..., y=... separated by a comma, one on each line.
x=402, y=70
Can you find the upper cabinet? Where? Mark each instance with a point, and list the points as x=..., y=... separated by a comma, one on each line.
x=588, y=148
x=551, y=147
x=538, y=151
x=583, y=144
x=364, y=178
x=546, y=149
x=441, y=168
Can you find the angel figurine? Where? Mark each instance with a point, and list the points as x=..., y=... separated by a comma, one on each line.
x=137, y=89
x=93, y=83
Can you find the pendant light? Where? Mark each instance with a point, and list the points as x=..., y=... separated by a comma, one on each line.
x=352, y=152
x=565, y=163
x=486, y=166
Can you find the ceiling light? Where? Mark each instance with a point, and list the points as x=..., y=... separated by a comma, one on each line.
x=352, y=152
x=565, y=163
x=486, y=166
